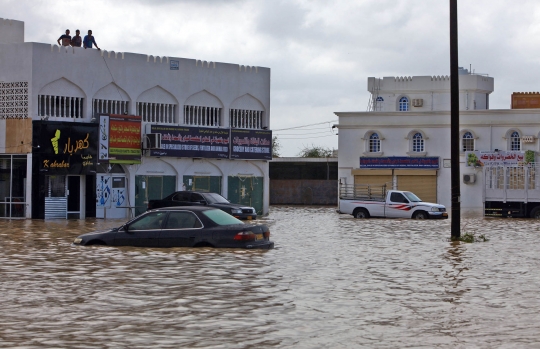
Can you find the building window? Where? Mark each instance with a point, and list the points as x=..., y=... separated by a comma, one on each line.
x=403, y=104
x=418, y=143
x=243, y=118
x=156, y=112
x=13, y=186
x=202, y=116
x=515, y=141
x=374, y=143
x=60, y=106
x=378, y=103
x=13, y=100
x=467, y=142
x=105, y=106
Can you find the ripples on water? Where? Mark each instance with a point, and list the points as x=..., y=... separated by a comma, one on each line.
x=331, y=282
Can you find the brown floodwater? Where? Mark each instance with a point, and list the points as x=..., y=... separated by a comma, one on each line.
x=331, y=282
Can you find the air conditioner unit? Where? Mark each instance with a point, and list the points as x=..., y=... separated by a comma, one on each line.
x=417, y=102
x=469, y=178
x=152, y=141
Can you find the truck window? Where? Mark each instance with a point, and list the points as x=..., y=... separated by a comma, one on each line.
x=398, y=197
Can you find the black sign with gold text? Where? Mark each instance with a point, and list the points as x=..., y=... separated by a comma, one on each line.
x=65, y=147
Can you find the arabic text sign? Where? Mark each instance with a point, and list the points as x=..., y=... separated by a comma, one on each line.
x=400, y=162
x=482, y=158
x=192, y=142
x=66, y=148
x=120, y=139
x=251, y=144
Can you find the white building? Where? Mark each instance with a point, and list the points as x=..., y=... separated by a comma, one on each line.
x=47, y=83
x=404, y=141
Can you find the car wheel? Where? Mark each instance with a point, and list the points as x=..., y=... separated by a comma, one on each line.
x=361, y=213
x=535, y=213
x=420, y=215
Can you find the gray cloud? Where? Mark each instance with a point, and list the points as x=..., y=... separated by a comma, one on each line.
x=320, y=52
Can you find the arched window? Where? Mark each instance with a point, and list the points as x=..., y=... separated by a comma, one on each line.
x=418, y=143
x=467, y=142
x=374, y=143
x=515, y=141
x=380, y=99
x=403, y=104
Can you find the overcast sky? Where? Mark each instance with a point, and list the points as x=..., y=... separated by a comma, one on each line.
x=320, y=52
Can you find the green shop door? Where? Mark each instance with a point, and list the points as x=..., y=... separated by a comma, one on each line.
x=152, y=188
x=246, y=191
x=210, y=184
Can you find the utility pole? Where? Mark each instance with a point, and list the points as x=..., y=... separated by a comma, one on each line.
x=454, y=123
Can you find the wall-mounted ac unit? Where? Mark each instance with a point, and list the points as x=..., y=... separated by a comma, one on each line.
x=152, y=141
x=469, y=178
x=417, y=102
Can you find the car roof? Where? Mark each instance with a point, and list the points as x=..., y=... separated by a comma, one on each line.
x=186, y=208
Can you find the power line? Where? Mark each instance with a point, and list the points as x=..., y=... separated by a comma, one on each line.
x=280, y=138
x=319, y=123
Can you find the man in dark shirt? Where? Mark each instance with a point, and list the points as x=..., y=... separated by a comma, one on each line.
x=66, y=39
x=76, y=41
x=89, y=40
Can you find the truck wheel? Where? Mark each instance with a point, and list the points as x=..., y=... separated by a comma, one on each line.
x=535, y=213
x=420, y=215
x=361, y=213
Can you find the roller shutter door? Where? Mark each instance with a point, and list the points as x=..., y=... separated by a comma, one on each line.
x=425, y=187
x=374, y=180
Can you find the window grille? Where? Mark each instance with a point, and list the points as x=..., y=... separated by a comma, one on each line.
x=13, y=100
x=403, y=104
x=105, y=106
x=418, y=143
x=515, y=141
x=60, y=106
x=202, y=116
x=156, y=112
x=374, y=143
x=242, y=118
x=467, y=142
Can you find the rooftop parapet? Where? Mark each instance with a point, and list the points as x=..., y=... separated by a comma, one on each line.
x=11, y=31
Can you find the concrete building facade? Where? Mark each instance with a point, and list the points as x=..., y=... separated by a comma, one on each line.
x=407, y=145
x=44, y=83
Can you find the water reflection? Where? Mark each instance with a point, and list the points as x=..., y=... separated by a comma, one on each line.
x=331, y=282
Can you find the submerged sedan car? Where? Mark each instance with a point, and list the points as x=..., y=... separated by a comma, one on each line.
x=189, y=226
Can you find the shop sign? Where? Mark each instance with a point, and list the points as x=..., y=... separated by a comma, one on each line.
x=192, y=142
x=400, y=162
x=483, y=158
x=120, y=139
x=251, y=144
x=65, y=147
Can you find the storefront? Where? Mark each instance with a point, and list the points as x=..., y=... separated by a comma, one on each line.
x=64, y=163
x=418, y=175
x=119, y=146
x=13, y=175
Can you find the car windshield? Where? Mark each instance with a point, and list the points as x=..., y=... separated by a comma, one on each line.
x=221, y=218
x=411, y=197
x=213, y=198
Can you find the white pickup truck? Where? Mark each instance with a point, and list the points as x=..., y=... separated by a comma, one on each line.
x=365, y=202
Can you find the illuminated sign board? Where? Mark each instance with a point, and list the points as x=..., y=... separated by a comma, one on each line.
x=65, y=147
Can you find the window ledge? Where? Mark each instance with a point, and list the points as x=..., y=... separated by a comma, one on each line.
x=374, y=154
x=417, y=153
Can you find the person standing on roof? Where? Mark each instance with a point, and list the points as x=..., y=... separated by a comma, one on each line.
x=89, y=40
x=76, y=41
x=66, y=39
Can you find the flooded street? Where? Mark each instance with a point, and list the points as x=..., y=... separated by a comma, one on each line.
x=331, y=282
